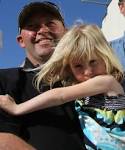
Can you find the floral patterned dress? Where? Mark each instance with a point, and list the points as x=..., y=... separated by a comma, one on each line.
x=102, y=121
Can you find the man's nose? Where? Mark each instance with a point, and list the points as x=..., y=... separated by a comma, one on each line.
x=43, y=29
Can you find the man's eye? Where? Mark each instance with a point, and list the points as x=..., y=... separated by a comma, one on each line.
x=51, y=24
x=32, y=27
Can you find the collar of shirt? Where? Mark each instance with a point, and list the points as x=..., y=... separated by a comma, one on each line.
x=29, y=67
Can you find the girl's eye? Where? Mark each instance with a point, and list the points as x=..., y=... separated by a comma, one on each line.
x=93, y=62
x=78, y=66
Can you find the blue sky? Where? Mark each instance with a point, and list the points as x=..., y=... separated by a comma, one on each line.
x=11, y=55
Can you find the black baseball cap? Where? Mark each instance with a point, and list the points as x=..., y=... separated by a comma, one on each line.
x=38, y=7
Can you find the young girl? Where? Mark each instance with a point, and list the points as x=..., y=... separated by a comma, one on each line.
x=85, y=63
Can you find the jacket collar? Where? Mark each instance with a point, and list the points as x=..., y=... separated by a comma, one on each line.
x=29, y=67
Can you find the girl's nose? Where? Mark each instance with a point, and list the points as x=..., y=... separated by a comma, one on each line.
x=88, y=71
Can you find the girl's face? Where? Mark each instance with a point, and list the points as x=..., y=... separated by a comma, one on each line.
x=84, y=70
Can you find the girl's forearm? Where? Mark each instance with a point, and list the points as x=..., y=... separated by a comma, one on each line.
x=60, y=96
x=44, y=100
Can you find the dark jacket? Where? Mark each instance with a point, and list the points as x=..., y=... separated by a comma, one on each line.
x=55, y=128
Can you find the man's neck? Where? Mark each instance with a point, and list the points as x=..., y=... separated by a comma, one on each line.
x=38, y=62
x=29, y=66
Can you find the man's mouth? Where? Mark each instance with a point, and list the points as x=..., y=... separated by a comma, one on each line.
x=44, y=40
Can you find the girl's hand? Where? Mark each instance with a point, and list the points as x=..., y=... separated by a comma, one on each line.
x=8, y=104
x=115, y=88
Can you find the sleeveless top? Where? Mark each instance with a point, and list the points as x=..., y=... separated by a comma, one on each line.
x=102, y=121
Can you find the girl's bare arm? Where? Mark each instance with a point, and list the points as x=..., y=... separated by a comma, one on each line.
x=97, y=85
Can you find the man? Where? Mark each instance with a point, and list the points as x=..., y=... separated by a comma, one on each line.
x=40, y=28
x=119, y=43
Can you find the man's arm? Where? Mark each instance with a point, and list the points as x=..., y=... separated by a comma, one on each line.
x=9, y=126
x=10, y=141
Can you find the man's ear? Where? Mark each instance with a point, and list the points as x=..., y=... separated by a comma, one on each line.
x=20, y=41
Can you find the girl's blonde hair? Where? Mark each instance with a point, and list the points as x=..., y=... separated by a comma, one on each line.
x=80, y=42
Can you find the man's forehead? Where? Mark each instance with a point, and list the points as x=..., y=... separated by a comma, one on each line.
x=41, y=17
x=121, y=1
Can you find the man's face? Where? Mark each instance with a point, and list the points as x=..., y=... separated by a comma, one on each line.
x=40, y=36
x=122, y=7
